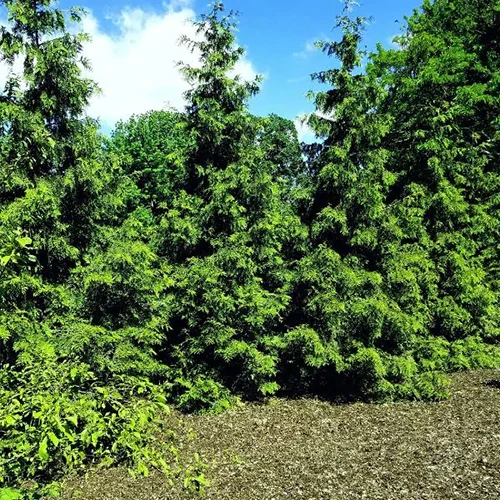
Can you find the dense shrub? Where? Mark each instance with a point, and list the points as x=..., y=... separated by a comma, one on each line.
x=57, y=417
x=404, y=205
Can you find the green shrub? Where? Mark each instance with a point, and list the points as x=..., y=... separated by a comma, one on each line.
x=200, y=395
x=439, y=354
x=197, y=256
x=56, y=417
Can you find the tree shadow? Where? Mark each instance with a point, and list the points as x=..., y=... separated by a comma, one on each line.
x=495, y=384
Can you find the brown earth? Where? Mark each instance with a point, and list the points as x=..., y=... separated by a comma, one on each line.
x=309, y=449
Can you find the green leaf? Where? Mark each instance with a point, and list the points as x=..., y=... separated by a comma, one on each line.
x=42, y=450
x=53, y=438
x=143, y=469
x=24, y=241
x=10, y=420
x=73, y=419
x=10, y=494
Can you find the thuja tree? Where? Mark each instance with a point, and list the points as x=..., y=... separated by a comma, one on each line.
x=56, y=182
x=58, y=410
x=444, y=150
x=444, y=139
x=41, y=138
x=351, y=333
x=226, y=232
x=391, y=281
x=152, y=149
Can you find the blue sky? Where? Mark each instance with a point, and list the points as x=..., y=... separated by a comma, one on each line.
x=279, y=36
x=135, y=45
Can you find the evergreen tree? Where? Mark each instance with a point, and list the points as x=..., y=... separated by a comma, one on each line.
x=60, y=185
x=63, y=405
x=50, y=153
x=444, y=150
x=390, y=276
x=226, y=229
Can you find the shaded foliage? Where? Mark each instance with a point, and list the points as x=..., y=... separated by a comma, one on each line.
x=63, y=405
x=404, y=203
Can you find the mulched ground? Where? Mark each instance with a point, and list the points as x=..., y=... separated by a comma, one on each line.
x=309, y=449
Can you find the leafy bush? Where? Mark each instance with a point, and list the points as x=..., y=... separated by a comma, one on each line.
x=56, y=417
x=201, y=395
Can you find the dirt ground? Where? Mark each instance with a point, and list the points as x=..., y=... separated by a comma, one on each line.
x=312, y=450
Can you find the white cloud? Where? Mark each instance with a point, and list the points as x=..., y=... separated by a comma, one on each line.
x=136, y=65
x=308, y=49
x=136, y=68
x=393, y=44
x=311, y=47
x=306, y=134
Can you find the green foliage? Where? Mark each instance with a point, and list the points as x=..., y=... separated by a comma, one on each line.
x=402, y=210
x=10, y=494
x=153, y=149
x=57, y=417
x=216, y=111
x=195, y=480
x=226, y=231
x=14, y=256
x=278, y=139
x=60, y=192
x=203, y=256
x=201, y=395
x=15, y=251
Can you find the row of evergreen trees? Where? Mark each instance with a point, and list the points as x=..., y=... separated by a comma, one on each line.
x=204, y=255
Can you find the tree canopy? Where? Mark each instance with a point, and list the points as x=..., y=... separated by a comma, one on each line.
x=203, y=256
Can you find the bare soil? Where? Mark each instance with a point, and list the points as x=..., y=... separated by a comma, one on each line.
x=310, y=449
